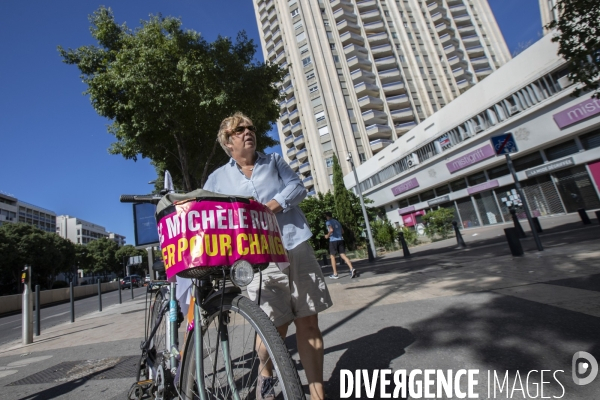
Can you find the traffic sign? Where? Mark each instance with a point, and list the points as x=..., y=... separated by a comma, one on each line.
x=504, y=144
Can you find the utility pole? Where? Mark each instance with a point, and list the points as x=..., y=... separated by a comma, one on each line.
x=373, y=252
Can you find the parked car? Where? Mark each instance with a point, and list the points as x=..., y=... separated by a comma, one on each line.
x=148, y=279
x=129, y=280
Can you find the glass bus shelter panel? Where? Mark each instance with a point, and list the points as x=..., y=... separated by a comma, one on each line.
x=467, y=212
x=488, y=209
x=576, y=189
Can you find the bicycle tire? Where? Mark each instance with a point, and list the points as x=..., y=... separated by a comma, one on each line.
x=245, y=370
x=159, y=343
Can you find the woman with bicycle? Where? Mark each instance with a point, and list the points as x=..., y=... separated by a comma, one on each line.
x=298, y=293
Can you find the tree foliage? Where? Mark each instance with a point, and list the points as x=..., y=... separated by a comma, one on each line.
x=438, y=222
x=166, y=90
x=343, y=205
x=384, y=233
x=103, y=252
x=578, y=34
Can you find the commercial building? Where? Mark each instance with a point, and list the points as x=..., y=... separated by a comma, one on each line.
x=13, y=210
x=448, y=161
x=363, y=74
x=80, y=231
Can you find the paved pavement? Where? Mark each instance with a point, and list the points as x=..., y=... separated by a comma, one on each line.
x=444, y=308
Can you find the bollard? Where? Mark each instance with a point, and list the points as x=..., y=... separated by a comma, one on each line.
x=512, y=237
x=536, y=223
x=518, y=227
x=120, y=301
x=131, y=287
x=598, y=216
x=584, y=217
x=99, y=296
x=404, y=245
x=72, y=299
x=459, y=239
x=27, y=307
x=37, y=310
x=370, y=253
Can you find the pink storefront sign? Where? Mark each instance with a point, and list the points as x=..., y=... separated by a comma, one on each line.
x=471, y=158
x=208, y=233
x=482, y=187
x=405, y=186
x=579, y=112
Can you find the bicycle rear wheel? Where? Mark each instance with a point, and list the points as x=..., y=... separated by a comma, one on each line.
x=160, y=342
x=231, y=370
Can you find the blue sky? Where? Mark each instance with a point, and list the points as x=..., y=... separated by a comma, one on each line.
x=53, y=146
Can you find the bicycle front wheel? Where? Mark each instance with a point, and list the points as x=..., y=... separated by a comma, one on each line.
x=238, y=347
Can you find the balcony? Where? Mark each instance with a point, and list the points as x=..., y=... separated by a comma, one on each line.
x=365, y=89
x=347, y=26
x=354, y=50
x=359, y=75
x=385, y=63
x=377, y=131
x=299, y=142
x=393, y=88
x=283, y=106
x=308, y=182
x=291, y=104
x=463, y=84
x=462, y=19
x=455, y=61
x=399, y=101
x=374, y=27
x=341, y=14
x=311, y=193
x=404, y=127
x=379, y=144
x=297, y=129
x=294, y=116
x=366, y=5
x=466, y=30
x=446, y=38
x=378, y=39
x=370, y=16
x=288, y=92
x=480, y=62
x=305, y=168
x=431, y=6
x=403, y=114
x=459, y=73
x=284, y=118
x=287, y=80
x=439, y=17
x=374, y=117
x=370, y=103
x=277, y=35
x=359, y=62
x=287, y=129
x=458, y=9
x=335, y=4
x=294, y=165
x=291, y=153
x=267, y=35
x=263, y=17
x=390, y=75
x=302, y=155
x=271, y=55
x=280, y=57
x=451, y=50
x=444, y=27
x=351, y=37
x=476, y=51
x=289, y=141
x=382, y=50
x=483, y=72
x=471, y=40
x=273, y=15
x=279, y=46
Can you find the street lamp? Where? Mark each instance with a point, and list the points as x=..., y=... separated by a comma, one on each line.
x=373, y=252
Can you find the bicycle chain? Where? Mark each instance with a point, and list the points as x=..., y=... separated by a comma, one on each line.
x=139, y=389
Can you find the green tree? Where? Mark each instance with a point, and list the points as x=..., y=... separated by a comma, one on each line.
x=314, y=208
x=438, y=222
x=343, y=205
x=166, y=90
x=83, y=258
x=384, y=233
x=578, y=35
x=127, y=251
x=103, y=252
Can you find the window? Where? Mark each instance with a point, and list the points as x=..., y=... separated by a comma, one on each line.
x=313, y=89
x=476, y=178
x=329, y=162
x=386, y=13
x=528, y=161
x=323, y=130
x=498, y=171
x=394, y=35
x=362, y=157
x=295, y=12
x=306, y=61
x=300, y=37
x=591, y=140
x=320, y=116
x=298, y=25
x=332, y=46
x=561, y=150
x=336, y=59
x=310, y=75
x=442, y=190
x=458, y=184
x=316, y=102
x=326, y=22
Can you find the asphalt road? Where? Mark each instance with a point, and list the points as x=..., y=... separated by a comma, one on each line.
x=10, y=327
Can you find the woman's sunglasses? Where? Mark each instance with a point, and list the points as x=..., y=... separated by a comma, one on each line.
x=241, y=129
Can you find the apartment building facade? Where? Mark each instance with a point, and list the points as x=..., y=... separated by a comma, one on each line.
x=13, y=210
x=363, y=74
x=80, y=231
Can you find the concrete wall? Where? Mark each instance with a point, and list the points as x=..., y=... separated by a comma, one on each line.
x=13, y=302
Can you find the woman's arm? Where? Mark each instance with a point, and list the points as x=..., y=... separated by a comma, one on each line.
x=292, y=193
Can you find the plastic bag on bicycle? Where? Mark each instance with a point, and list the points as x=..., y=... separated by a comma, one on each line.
x=201, y=230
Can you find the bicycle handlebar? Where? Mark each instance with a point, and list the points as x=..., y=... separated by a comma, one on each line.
x=140, y=198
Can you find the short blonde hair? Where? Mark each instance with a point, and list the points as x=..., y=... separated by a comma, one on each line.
x=227, y=125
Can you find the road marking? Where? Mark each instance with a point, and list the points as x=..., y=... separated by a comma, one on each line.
x=55, y=315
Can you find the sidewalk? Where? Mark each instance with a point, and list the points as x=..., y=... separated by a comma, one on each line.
x=477, y=307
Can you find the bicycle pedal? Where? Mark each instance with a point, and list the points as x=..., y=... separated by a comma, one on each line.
x=139, y=389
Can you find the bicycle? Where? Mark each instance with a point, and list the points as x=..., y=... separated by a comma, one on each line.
x=238, y=341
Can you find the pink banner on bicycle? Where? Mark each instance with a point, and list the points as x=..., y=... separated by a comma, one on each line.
x=209, y=233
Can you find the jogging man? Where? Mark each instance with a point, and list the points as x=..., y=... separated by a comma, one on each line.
x=336, y=245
